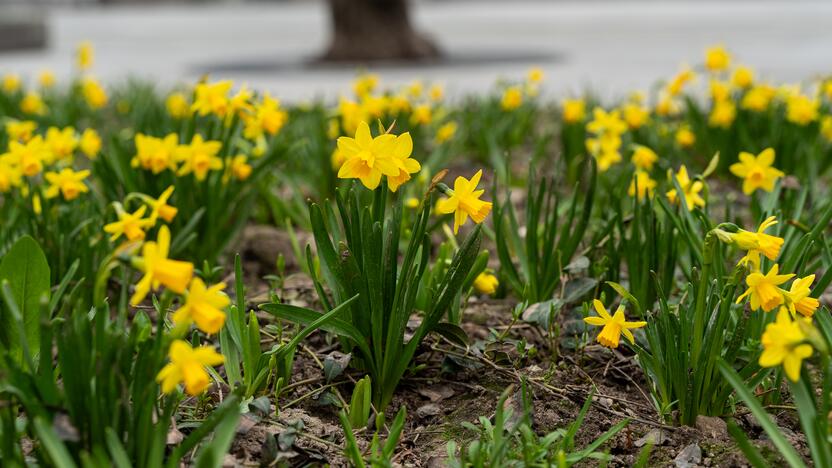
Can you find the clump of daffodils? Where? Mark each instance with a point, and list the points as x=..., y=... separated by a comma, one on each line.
x=606, y=129
x=786, y=341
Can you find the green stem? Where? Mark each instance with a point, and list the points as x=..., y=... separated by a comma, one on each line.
x=701, y=295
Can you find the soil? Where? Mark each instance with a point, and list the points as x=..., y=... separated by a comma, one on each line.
x=456, y=385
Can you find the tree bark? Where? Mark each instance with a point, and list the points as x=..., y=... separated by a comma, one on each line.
x=373, y=30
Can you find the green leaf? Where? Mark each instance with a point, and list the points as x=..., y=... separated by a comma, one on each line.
x=774, y=433
x=454, y=333
x=52, y=445
x=26, y=270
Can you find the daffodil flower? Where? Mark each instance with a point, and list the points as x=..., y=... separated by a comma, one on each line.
x=188, y=365
x=367, y=158
x=159, y=270
x=203, y=306
x=90, y=143
x=763, y=289
x=486, y=283
x=199, y=158
x=131, y=225
x=757, y=243
x=156, y=154
x=614, y=325
x=160, y=208
x=690, y=189
x=463, y=201
x=212, y=98
x=756, y=171
x=798, y=299
x=67, y=182
x=784, y=343
x=644, y=158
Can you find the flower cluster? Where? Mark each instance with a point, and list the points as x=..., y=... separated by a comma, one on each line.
x=784, y=341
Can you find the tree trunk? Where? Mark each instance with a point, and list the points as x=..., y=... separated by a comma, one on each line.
x=370, y=30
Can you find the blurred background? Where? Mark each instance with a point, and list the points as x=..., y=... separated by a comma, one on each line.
x=306, y=48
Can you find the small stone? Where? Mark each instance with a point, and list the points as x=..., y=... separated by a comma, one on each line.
x=712, y=427
x=428, y=410
x=689, y=457
x=654, y=437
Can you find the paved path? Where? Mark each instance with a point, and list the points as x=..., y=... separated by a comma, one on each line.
x=607, y=46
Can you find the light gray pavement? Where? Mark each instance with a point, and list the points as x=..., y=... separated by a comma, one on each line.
x=608, y=46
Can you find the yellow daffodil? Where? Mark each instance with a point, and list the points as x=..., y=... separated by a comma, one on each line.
x=29, y=157
x=203, y=306
x=666, y=106
x=605, y=150
x=717, y=59
x=690, y=189
x=11, y=83
x=9, y=175
x=177, y=106
x=268, y=118
x=46, y=79
x=90, y=143
x=758, y=98
x=446, y=132
x=743, y=77
x=614, y=325
x=436, y=93
x=412, y=203
x=421, y=115
x=159, y=207
x=68, y=183
x=763, y=289
x=606, y=122
x=574, y=110
x=826, y=127
x=802, y=110
x=20, y=130
x=240, y=103
x=188, y=365
x=399, y=103
x=798, y=299
x=93, y=93
x=463, y=201
x=402, y=148
x=722, y=114
x=367, y=158
x=84, y=56
x=635, y=115
x=32, y=103
x=685, y=137
x=61, y=142
x=240, y=167
x=641, y=185
x=212, y=98
x=677, y=84
x=536, y=75
x=131, y=225
x=719, y=90
x=365, y=84
x=486, y=283
x=512, y=98
x=200, y=157
x=159, y=270
x=756, y=243
x=784, y=343
x=156, y=154
x=644, y=158
x=756, y=171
